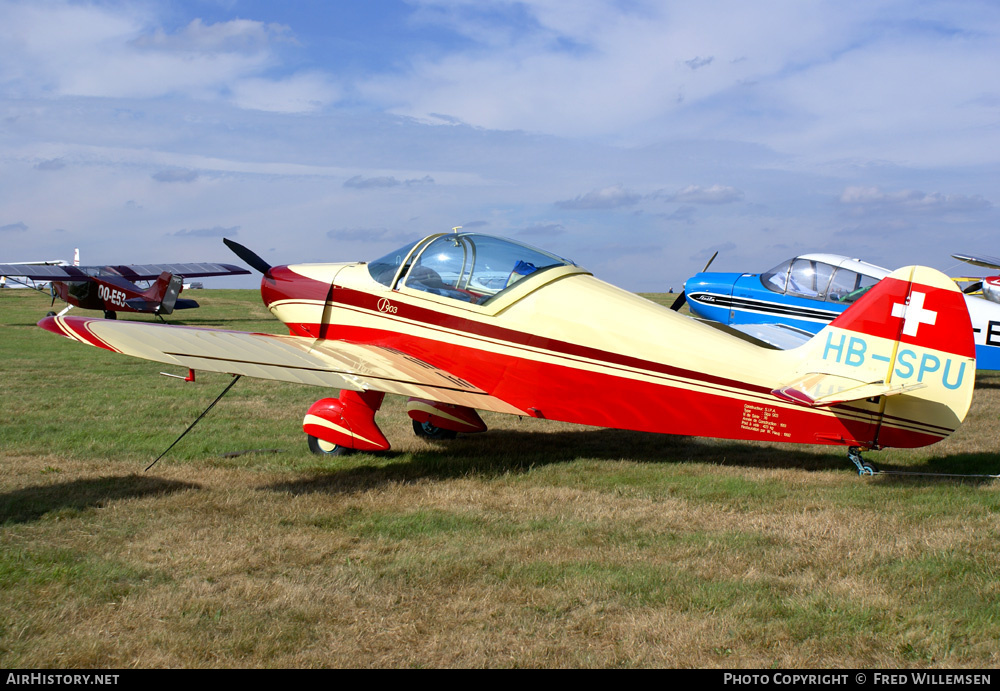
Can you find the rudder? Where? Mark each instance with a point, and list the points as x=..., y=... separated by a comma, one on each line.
x=906, y=346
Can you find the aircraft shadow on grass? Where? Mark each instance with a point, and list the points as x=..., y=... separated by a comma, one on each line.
x=502, y=452
x=983, y=384
x=32, y=503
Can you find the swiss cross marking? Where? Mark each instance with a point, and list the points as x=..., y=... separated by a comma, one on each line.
x=913, y=313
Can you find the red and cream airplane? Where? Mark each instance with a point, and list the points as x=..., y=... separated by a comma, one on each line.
x=461, y=322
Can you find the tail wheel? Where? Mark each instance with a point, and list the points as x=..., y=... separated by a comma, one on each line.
x=429, y=431
x=325, y=448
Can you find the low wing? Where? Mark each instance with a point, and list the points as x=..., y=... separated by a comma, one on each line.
x=818, y=390
x=329, y=363
x=781, y=336
x=132, y=272
x=979, y=260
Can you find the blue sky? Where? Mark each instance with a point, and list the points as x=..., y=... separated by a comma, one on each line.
x=635, y=137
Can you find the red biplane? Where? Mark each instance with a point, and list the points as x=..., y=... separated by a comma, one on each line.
x=113, y=288
x=461, y=322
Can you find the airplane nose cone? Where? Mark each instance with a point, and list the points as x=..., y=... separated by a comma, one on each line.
x=283, y=283
x=275, y=285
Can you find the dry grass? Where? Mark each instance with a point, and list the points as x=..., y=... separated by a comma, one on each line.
x=535, y=545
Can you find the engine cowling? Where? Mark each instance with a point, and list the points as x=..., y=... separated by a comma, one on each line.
x=991, y=288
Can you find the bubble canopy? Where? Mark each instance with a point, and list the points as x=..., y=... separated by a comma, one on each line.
x=469, y=267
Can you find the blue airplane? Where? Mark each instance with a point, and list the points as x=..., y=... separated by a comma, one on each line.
x=788, y=304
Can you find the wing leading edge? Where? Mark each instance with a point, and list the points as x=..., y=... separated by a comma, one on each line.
x=132, y=272
x=336, y=364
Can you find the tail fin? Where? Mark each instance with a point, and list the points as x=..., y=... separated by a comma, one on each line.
x=906, y=348
x=161, y=296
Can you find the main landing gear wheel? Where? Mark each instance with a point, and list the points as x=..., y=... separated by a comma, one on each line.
x=109, y=314
x=429, y=431
x=325, y=448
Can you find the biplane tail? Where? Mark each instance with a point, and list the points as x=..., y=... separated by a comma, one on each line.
x=903, y=353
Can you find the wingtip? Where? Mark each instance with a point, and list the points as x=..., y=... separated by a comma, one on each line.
x=49, y=324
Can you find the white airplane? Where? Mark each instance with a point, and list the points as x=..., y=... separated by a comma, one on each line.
x=38, y=285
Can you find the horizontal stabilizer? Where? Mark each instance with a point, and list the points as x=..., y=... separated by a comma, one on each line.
x=142, y=305
x=817, y=390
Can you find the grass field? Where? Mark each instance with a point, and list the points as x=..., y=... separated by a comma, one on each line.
x=537, y=544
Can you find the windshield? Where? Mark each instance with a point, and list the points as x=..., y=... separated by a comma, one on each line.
x=384, y=268
x=776, y=278
x=472, y=267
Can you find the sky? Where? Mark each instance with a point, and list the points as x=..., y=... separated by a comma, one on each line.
x=634, y=137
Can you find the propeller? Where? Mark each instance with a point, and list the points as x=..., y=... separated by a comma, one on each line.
x=248, y=256
x=682, y=298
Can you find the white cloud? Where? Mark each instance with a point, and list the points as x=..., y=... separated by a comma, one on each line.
x=716, y=194
x=368, y=235
x=608, y=198
x=235, y=36
x=301, y=93
x=878, y=79
x=175, y=175
x=869, y=200
x=63, y=49
x=361, y=182
x=603, y=68
x=215, y=232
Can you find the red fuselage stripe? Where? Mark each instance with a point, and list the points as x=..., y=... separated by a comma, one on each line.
x=434, y=318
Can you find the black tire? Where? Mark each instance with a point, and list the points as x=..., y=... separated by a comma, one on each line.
x=429, y=431
x=108, y=314
x=325, y=448
x=50, y=314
